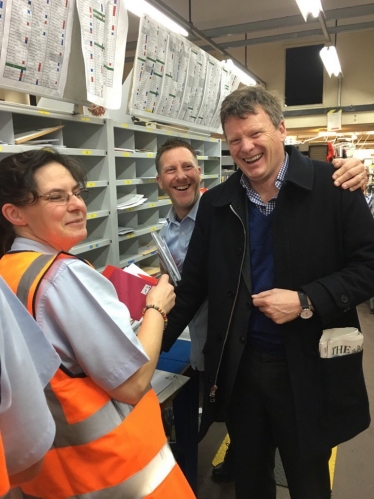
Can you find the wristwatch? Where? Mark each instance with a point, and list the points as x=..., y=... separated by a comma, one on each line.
x=306, y=310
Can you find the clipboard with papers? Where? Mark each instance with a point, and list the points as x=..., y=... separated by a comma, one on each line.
x=132, y=286
x=166, y=258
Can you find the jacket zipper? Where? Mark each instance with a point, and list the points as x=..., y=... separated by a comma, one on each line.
x=213, y=390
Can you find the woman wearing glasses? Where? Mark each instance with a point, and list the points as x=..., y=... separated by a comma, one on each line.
x=109, y=436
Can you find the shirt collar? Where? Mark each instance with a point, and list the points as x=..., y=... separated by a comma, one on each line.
x=25, y=244
x=278, y=182
x=172, y=216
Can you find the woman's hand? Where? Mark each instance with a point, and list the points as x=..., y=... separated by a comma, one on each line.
x=162, y=295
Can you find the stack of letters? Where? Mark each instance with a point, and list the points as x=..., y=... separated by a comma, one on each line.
x=130, y=201
x=166, y=259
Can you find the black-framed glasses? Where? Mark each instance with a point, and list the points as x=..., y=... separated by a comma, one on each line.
x=62, y=197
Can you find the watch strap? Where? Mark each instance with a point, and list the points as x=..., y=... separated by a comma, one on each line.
x=303, y=300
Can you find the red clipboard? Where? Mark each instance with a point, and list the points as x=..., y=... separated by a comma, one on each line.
x=131, y=289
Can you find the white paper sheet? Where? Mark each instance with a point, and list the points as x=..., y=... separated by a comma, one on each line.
x=36, y=45
x=175, y=80
x=104, y=27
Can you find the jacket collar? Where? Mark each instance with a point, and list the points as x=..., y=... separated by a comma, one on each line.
x=231, y=191
x=300, y=169
x=300, y=172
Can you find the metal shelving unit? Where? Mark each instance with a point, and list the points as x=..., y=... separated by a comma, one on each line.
x=112, y=174
x=136, y=174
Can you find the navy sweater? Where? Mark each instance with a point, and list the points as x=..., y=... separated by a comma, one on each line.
x=263, y=333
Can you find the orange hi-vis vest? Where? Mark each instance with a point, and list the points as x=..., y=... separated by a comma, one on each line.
x=103, y=449
x=4, y=479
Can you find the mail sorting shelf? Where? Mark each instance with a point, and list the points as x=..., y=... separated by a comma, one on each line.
x=185, y=409
x=135, y=149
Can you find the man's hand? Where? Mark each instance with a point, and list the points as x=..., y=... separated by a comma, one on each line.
x=280, y=305
x=350, y=174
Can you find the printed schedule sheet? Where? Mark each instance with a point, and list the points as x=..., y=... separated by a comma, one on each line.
x=104, y=26
x=174, y=79
x=35, y=45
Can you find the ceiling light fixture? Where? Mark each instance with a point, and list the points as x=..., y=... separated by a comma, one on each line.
x=243, y=76
x=330, y=60
x=140, y=7
x=327, y=134
x=313, y=7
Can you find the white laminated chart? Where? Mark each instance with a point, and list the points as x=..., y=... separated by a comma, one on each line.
x=150, y=65
x=229, y=83
x=212, y=92
x=195, y=83
x=36, y=45
x=2, y=20
x=175, y=77
x=175, y=81
x=104, y=27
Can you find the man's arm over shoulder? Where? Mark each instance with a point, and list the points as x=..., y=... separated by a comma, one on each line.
x=350, y=173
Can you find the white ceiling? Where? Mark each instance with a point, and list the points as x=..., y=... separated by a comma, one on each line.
x=225, y=27
x=263, y=21
x=206, y=14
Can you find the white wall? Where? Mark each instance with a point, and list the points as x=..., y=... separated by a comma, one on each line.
x=356, y=55
x=364, y=154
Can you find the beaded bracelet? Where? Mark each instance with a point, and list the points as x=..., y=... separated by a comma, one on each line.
x=147, y=307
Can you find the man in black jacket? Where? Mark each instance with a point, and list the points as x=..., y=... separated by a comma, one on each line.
x=281, y=255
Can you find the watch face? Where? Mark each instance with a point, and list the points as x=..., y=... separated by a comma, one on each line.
x=306, y=313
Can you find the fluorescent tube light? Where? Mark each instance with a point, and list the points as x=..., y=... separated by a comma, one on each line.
x=330, y=60
x=327, y=134
x=313, y=7
x=140, y=7
x=244, y=77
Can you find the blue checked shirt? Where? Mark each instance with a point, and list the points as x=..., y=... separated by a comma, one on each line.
x=265, y=208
